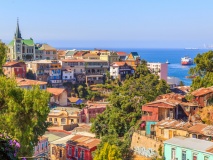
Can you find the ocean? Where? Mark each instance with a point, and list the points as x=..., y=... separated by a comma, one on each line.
x=175, y=69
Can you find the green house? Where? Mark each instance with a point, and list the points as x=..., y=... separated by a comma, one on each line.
x=182, y=148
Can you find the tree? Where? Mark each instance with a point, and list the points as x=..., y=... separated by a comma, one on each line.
x=30, y=75
x=203, y=70
x=126, y=101
x=181, y=83
x=81, y=91
x=23, y=114
x=206, y=115
x=3, y=56
x=108, y=152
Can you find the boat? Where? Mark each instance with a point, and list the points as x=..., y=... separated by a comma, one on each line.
x=186, y=61
x=167, y=62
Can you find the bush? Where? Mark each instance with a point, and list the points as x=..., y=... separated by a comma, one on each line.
x=8, y=148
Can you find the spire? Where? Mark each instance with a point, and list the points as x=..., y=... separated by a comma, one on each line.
x=18, y=33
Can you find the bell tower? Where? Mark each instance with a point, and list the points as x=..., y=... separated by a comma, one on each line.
x=17, y=43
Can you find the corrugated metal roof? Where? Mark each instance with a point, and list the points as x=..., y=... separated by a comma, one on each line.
x=191, y=143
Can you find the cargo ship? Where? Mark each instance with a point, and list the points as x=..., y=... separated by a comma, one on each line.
x=186, y=61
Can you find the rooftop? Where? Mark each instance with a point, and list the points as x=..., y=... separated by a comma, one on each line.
x=29, y=82
x=12, y=63
x=85, y=141
x=55, y=91
x=47, y=47
x=118, y=63
x=202, y=91
x=191, y=143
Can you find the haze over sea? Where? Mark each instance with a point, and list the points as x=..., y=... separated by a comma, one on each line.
x=175, y=69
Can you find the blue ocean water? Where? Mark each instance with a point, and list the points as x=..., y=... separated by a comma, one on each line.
x=175, y=69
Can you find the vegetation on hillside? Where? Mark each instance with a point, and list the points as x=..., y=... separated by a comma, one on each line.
x=23, y=113
x=203, y=70
x=125, y=107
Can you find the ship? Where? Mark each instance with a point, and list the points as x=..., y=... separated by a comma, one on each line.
x=186, y=61
x=167, y=62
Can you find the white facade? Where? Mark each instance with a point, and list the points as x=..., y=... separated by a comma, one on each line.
x=114, y=71
x=68, y=75
x=160, y=69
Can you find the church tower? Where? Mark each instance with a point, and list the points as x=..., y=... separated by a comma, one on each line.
x=17, y=43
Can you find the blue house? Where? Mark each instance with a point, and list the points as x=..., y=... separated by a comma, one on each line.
x=182, y=148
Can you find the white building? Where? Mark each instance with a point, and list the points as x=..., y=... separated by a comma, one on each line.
x=160, y=69
x=68, y=75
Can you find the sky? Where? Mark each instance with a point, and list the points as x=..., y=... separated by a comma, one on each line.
x=110, y=23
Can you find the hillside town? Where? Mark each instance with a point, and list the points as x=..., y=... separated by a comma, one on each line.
x=80, y=83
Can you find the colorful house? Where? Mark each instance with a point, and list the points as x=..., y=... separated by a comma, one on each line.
x=28, y=83
x=173, y=106
x=81, y=147
x=42, y=148
x=203, y=96
x=133, y=59
x=91, y=111
x=182, y=148
x=120, y=70
x=60, y=116
x=15, y=69
x=170, y=128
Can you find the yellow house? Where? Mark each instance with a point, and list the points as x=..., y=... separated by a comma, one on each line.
x=109, y=56
x=133, y=59
x=63, y=116
x=167, y=129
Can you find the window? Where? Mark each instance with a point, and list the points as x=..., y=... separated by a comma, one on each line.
x=53, y=150
x=63, y=121
x=82, y=155
x=183, y=155
x=60, y=153
x=55, y=120
x=76, y=152
x=38, y=148
x=194, y=156
x=42, y=146
x=70, y=151
x=50, y=119
x=46, y=144
x=162, y=131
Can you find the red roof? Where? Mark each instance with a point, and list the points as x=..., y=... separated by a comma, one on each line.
x=85, y=141
x=12, y=63
x=55, y=91
x=122, y=53
x=79, y=53
x=202, y=91
x=118, y=63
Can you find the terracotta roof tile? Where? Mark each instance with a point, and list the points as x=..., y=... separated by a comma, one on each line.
x=84, y=141
x=122, y=53
x=202, y=91
x=73, y=99
x=55, y=91
x=12, y=63
x=118, y=63
x=28, y=82
x=197, y=128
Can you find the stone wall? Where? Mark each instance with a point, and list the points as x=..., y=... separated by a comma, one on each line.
x=140, y=140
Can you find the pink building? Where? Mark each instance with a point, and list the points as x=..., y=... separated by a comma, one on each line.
x=42, y=148
x=160, y=69
x=91, y=111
